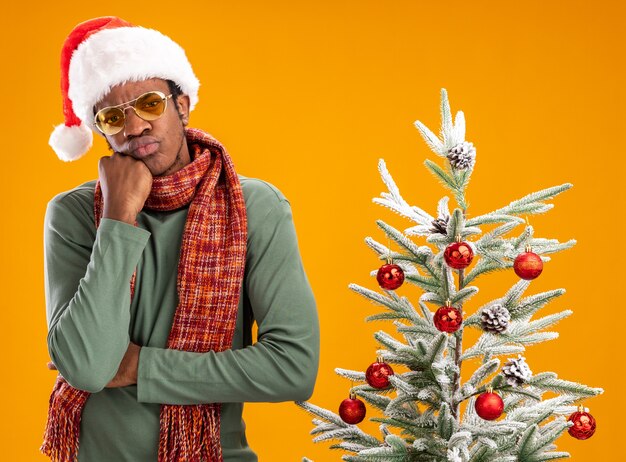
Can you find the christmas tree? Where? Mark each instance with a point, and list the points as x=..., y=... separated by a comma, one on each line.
x=500, y=414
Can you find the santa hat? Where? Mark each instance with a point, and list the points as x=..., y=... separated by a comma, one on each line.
x=104, y=52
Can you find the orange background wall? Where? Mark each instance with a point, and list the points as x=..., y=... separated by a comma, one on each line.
x=308, y=96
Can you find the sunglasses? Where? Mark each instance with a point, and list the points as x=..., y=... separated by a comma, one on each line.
x=149, y=106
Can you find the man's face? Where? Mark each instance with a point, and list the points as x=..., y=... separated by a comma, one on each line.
x=161, y=143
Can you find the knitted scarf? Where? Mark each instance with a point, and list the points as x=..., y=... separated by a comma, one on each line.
x=210, y=273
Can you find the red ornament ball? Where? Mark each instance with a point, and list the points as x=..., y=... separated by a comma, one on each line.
x=390, y=276
x=448, y=319
x=377, y=374
x=458, y=255
x=584, y=425
x=528, y=265
x=352, y=410
x=489, y=406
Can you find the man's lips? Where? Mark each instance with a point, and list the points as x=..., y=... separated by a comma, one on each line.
x=145, y=150
x=143, y=147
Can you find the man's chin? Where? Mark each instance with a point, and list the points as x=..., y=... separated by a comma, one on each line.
x=158, y=172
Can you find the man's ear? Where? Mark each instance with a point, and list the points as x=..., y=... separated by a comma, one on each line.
x=183, y=108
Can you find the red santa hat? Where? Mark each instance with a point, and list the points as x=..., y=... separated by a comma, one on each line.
x=104, y=52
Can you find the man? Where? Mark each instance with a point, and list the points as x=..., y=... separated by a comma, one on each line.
x=155, y=272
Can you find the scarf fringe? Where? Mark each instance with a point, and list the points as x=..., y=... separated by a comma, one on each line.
x=184, y=436
x=60, y=440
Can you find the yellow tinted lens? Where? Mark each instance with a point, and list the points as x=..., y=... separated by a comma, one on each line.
x=150, y=106
x=110, y=120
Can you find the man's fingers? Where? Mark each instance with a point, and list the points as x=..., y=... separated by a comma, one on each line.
x=51, y=366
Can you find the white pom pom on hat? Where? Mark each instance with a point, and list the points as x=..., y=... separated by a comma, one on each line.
x=71, y=143
x=101, y=53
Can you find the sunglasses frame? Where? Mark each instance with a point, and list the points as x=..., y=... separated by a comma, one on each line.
x=131, y=104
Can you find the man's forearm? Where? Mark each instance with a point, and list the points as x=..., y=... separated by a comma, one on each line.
x=279, y=367
x=89, y=314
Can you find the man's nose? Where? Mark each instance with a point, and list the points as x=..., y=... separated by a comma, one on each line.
x=133, y=124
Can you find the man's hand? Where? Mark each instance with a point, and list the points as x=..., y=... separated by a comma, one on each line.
x=126, y=373
x=126, y=183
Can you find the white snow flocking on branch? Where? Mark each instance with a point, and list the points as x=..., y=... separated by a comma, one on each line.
x=394, y=201
x=451, y=133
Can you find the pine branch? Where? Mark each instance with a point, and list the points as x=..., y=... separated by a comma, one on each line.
x=394, y=201
x=483, y=372
x=462, y=178
x=549, y=433
x=355, y=376
x=337, y=429
x=425, y=283
x=538, y=324
x=443, y=211
x=443, y=176
x=376, y=399
x=352, y=447
x=513, y=295
x=388, y=341
x=459, y=128
x=450, y=180
x=430, y=138
x=485, y=266
x=551, y=456
x=383, y=252
x=347, y=433
x=448, y=288
x=436, y=349
x=401, y=306
x=549, y=381
x=482, y=454
x=445, y=423
x=520, y=310
x=456, y=225
x=522, y=391
x=407, y=426
x=323, y=413
x=526, y=442
x=494, y=344
x=446, y=120
x=536, y=444
x=463, y=295
x=517, y=334
x=425, y=330
x=558, y=405
x=532, y=203
x=419, y=254
x=425, y=311
x=458, y=445
x=404, y=405
x=491, y=218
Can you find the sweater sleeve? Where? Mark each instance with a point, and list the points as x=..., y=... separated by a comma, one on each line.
x=281, y=366
x=87, y=288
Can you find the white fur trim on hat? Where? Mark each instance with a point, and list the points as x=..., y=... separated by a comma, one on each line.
x=71, y=143
x=125, y=54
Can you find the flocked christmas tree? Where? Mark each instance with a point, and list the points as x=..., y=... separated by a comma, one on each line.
x=505, y=416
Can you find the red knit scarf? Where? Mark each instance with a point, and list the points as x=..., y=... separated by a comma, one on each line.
x=210, y=274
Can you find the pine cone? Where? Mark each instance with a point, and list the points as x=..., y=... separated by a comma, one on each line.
x=462, y=156
x=495, y=319
x=440, y=225
x=517, y=371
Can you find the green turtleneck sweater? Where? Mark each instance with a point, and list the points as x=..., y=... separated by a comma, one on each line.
x=91, y=321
